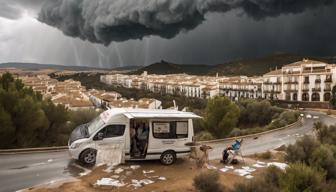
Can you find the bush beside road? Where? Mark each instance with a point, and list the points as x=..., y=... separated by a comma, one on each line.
x=224, y=118
x=312, y=167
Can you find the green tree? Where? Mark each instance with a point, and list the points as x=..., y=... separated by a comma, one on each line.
x=26, y=120
x=18, y=84
x=57, y=116
x=254, y=112
x=221, y=116
x=6, y=79
x=29, y=120
x=7, y=131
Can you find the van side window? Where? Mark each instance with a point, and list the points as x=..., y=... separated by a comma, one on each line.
x=170, y=130
x=114, y=130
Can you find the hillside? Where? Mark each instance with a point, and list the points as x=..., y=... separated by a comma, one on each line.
x=164, y=67
x=249, y=67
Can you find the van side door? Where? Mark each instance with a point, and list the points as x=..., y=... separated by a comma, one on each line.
x=109, y=135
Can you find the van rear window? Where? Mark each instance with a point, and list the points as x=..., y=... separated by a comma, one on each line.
x=170, y=129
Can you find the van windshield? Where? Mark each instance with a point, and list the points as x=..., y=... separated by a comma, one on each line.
x=95, y=124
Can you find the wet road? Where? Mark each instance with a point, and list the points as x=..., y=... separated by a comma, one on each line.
x=26, y=170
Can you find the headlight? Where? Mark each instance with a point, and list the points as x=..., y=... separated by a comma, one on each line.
x=75, y=145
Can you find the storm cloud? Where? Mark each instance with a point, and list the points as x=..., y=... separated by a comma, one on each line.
x=104, y=21
x=9, y=11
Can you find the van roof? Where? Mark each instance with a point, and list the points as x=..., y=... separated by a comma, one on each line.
x=148, y=113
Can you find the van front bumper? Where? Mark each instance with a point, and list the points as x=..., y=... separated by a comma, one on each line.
x=74, y=153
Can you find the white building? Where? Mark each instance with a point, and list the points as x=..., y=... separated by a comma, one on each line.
x=305, y=80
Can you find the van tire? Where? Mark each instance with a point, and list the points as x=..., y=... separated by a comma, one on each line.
x=88, y=156
x=168, y=157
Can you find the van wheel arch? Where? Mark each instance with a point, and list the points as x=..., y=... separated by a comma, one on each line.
x=168, y=157
x=84, y=156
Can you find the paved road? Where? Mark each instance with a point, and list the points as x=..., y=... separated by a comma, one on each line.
x=26, y=170
x=275, y=139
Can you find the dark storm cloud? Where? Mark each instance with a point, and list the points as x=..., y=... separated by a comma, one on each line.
x=104, y=21
x=259, y=9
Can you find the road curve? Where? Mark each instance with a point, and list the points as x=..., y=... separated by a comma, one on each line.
x=274, y=139
x=20, y=171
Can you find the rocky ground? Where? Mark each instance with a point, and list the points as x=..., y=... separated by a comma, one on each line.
x=152, y=176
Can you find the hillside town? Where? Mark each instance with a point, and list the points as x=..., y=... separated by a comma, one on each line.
x=74, y=96
x=302, y=81
x=305, y=81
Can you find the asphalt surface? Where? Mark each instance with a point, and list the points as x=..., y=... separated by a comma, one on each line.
x=275, y=139
x=20, y=171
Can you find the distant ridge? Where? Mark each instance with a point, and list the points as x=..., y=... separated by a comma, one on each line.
x=35, y=66
x=248, y=67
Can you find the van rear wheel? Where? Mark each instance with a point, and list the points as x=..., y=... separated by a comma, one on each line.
x=88, y=156
x=168, y=158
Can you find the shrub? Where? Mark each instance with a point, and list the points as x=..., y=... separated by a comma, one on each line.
x=272, y=176
x=302, y=150
x=285, y=118
x=254, y=112
x=256, y=185
x=289, y=116
x=281, y=148
x=267, y=182
x=330, y=186
x=300, y=177
x=265, y=155
x=204, y=136
x=207, y=181
x=325, y=134
x=236, y=132
x=323, y=158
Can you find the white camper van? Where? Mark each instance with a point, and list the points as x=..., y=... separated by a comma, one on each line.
x=145, y=133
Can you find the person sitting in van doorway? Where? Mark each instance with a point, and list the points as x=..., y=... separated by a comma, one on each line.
x=134, y=147
x=143, y=138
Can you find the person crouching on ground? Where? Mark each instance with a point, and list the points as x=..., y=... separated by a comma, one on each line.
x=234, y=148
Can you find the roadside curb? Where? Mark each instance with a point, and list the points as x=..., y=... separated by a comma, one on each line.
x=298, y=122
x=32, y=150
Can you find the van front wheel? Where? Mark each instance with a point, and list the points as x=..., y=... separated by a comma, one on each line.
x=168, y=157
x=88, y=156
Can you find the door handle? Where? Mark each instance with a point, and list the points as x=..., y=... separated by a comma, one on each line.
x=103, y=144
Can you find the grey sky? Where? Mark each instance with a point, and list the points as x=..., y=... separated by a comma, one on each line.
x=222, y=35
